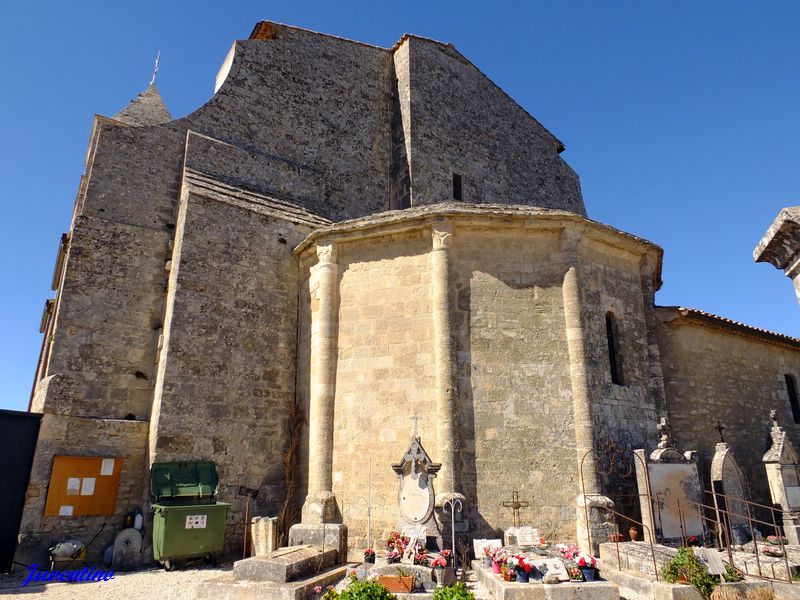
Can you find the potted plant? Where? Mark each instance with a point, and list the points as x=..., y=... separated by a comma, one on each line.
x=588, y=566
x=575, y=573
x=685, y=567
x=692, y=540
x=498, y=558
x=369, y=556
x=401, y=583
x=421, y=559
x=393, y=556
x=438, y=565
x=521, y=567
x=488, y=552
x=457, y=591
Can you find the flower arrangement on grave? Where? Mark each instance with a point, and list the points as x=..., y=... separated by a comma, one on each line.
x=393, y=556
x=570, y=552
x=397, y=541
x=772, y=551
x=575, y=573
x=520, y=565
x=447, y=555
x=776, y=540
x=421, y=558
x=488, y=554
x=692, y=540
x=588, y=566
x=369, y=555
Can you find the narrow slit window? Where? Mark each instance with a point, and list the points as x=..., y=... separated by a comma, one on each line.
x=614, y=354
x=791, y=389
x=457, y=194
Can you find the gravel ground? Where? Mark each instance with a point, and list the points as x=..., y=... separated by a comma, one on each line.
x=152, y=584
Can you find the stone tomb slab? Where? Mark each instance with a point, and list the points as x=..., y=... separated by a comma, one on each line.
x=505, y=590
x=285, y=564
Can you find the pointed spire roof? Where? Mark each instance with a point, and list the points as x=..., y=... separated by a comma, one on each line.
x=147, y=108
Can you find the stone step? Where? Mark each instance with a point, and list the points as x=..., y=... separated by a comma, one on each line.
x=228, y=588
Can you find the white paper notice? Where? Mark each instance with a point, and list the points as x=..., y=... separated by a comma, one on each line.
x=87, y=486
x=196, y=521
x=65, y=511
x=108, y=467
x=74, y=486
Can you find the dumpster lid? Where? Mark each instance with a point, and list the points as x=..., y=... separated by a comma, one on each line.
x=184, y=481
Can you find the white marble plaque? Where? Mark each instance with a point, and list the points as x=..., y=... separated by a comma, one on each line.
x=556, y=565
x=712, y=560
x=416, y=497
x=527, y=536
x=793, y=496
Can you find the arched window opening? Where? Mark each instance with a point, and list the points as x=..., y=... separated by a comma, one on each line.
x=614, y=354
x=791, y=389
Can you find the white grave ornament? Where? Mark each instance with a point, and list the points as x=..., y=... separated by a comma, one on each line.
x=415, y=498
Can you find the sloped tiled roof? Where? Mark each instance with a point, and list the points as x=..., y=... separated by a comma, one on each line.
x=683, y=314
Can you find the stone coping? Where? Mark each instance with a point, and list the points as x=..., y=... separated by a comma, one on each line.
x=568, y=590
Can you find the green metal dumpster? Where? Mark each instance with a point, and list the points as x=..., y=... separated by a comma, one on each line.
x=187, y=520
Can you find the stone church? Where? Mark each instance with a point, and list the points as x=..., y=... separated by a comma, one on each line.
x=385, y=240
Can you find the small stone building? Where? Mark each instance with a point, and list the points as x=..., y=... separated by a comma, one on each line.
x=369, y=234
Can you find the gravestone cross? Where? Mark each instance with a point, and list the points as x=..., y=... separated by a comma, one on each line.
x=416, y=419
x=720, y=429
x=663, y=429
x=515, y=504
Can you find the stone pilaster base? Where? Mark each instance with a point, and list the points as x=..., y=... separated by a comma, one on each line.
x=595, y=510
x=319, y=507
x=323, y=536
x=791, y=527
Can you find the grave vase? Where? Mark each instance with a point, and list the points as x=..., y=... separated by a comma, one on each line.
x=487, y=561
x=438, y=575
x=495, y=567
x=522, y=576
x=589, y=573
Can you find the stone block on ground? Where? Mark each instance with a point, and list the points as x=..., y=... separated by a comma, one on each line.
x=228, y=588
x=285, y=564
x=322, y=536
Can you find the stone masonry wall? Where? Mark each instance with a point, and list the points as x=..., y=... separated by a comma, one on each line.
x=714, y=374
x=385, y=373
x=226, y=375
x=81, y=436
x=109, y=317
x=515, y=412
x=462, y=122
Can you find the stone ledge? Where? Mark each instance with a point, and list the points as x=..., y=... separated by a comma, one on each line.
x=228, y=588
x=504, y=590
x=280, y=568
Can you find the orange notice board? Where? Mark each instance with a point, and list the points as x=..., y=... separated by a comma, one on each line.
x=83, y=485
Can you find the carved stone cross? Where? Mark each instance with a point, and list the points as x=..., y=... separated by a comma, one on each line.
x=416, y=419
x=720, y=429
x=515, y=504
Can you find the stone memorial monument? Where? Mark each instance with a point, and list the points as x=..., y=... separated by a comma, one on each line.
x=416, y=496
x=670, y=491
x=730, y=492
x=783, y=474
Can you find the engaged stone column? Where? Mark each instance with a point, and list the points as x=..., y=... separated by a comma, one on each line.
x=445, y=360
x=320, y=504
x=592, y=516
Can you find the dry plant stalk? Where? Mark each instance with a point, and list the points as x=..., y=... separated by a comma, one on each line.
x=288, y=513
x=760, y=593
x=725, y=592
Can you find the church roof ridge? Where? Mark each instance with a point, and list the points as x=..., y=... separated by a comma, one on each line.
x=703, y=317
x=258, y=33
x=148, y=108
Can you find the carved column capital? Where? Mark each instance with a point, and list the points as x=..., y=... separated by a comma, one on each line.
x=442, y=234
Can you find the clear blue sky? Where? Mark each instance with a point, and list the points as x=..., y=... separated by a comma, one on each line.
x=681, y=118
